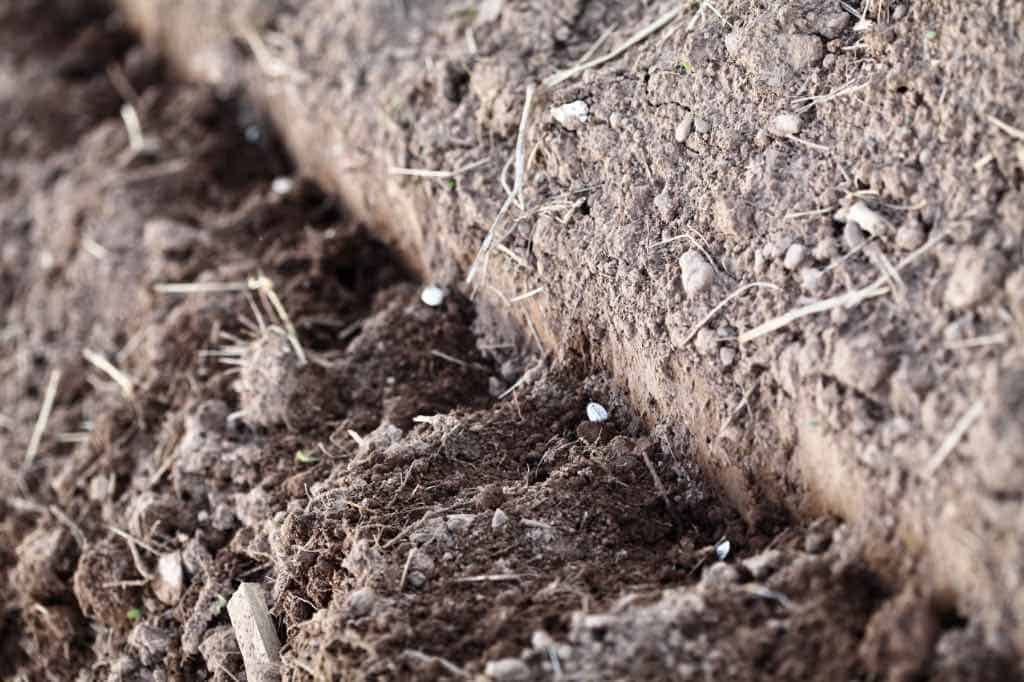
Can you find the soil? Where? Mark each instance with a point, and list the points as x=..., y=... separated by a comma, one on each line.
x=418, y=489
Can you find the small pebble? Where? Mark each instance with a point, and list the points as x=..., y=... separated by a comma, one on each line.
x=869, y=220
x=701, y=125
x=499, y=520
x=976, y=275
x=813, y=280
x=722, y=550
x=597, y=413
x=784, y=125
x=496, y=387
x=720, y=575
x=571, y=116
x=764, y=564
x=361, y=602
x=507, y=670
x=794, y=256
x=616, y=120
x=853, y=236
x=909, y=237
x=459, y=523
x=684, y=128
x=665, y=204
x=432, y=296
x=727, y=356
x=697, y=273
x=777, y=248
x=816, y=541
x=169, y=582
x=826, y=249
x=706, y=342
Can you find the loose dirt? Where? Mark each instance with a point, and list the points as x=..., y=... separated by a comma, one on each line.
x=418, y=489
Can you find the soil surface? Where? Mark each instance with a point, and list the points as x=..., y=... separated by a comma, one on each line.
x=212, y=372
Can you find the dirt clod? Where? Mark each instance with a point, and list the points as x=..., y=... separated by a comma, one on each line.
x=697, y=274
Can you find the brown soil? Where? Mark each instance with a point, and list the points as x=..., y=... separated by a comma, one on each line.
x=424, y=496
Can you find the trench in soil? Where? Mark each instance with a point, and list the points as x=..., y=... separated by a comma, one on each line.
x=418, y=498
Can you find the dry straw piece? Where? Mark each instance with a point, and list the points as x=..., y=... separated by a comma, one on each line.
x=44, y=417
x=533, y=91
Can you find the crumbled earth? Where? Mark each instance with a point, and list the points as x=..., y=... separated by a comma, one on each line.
x=248, y=387
x=851, y=172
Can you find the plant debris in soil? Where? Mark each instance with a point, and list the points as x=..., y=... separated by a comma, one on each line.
x=245, y=387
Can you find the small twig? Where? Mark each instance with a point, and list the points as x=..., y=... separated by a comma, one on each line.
x=659, y=486
x=520, y=163
x=167, y=455
x=44, y=417
x=524, y=296
x=848, y=300
x=271, y=65
x=227, y=672
x=70, y=524
x=896, y=282
x=494, y=578
x=808, y=214
x=405, y=569
x=527, y=376
x=997, y=339
x=131, y=539
x=714, y=311
x=137, y=142
x=455, y=361
x=815, y=100
x=516, y=258
x=263, y=284
x=658, y=24
x=443, y=662
x=763, y=592
x=126, y=583
x=1007, y=128
x=592, y=50
x=359, y=440
x=440, y=175
x=699, y=245
x=736, y=410
x=171, y=167
x=133, y=545
x=954, y=437
x=123, y=381
x=186, y=288
x=807, y=143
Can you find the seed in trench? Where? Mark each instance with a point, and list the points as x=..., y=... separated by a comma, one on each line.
x=597, y=413
x=432, y=296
